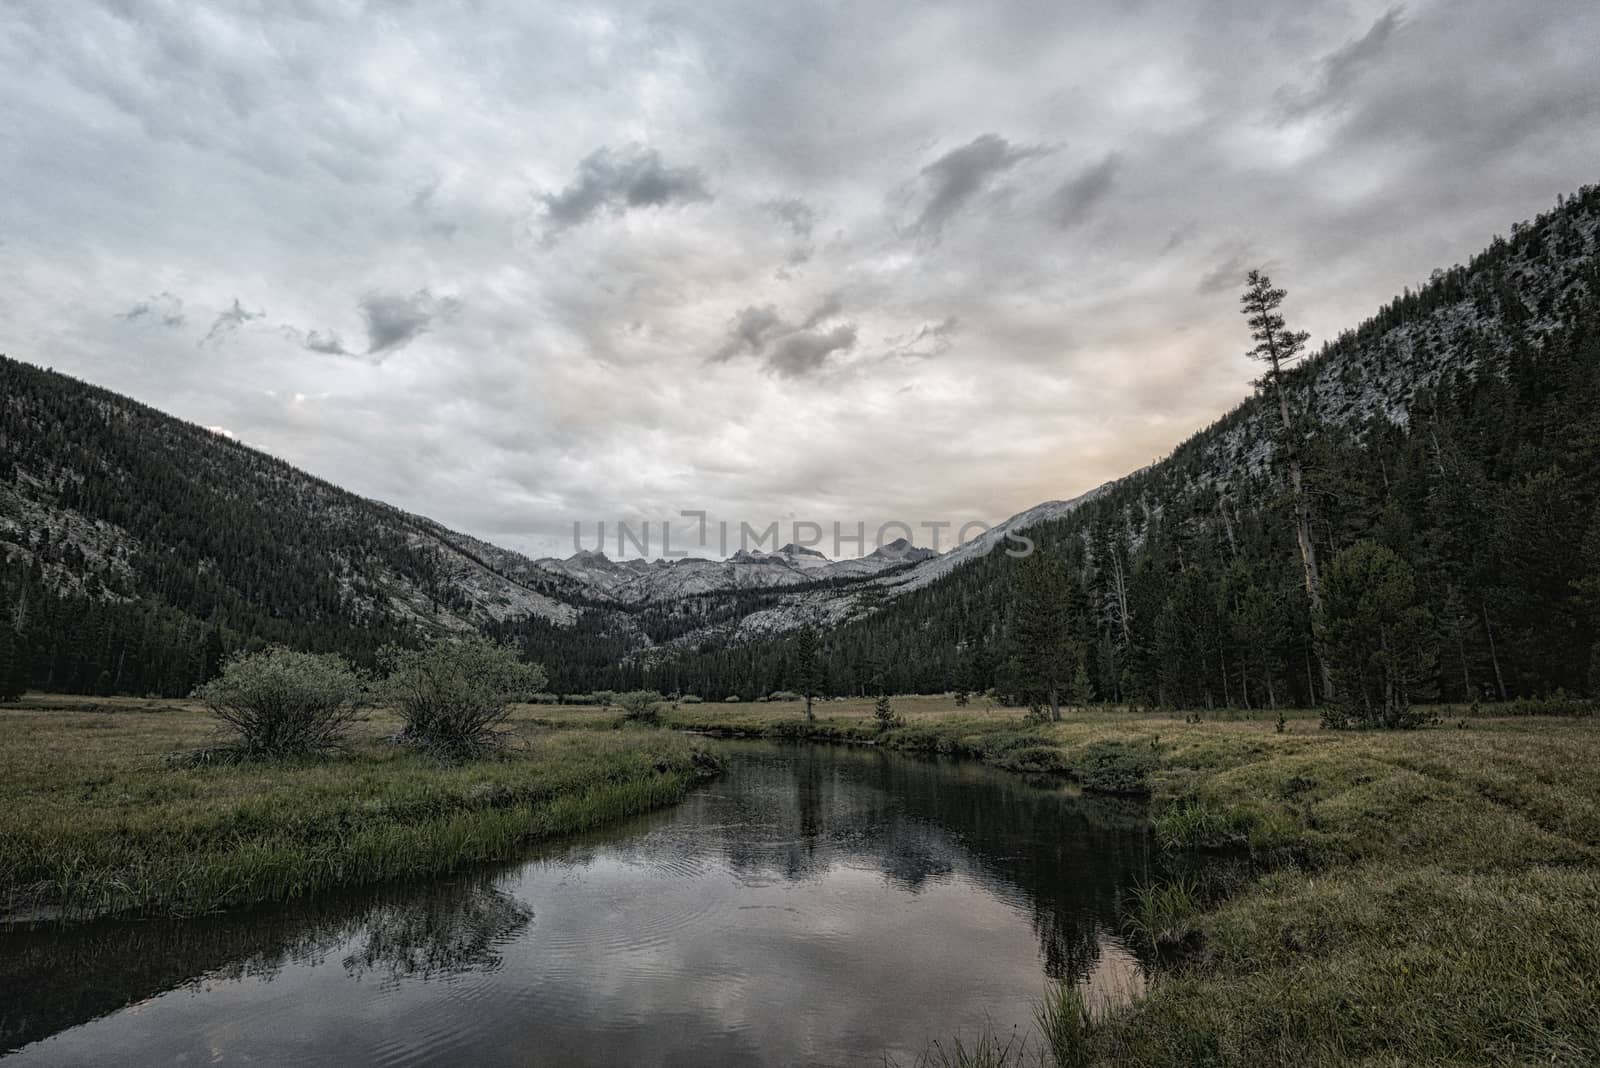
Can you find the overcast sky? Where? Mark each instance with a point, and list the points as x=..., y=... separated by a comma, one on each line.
x=512, y=264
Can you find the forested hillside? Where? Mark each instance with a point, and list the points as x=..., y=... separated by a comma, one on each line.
x=1459, y=427
x=136, y=549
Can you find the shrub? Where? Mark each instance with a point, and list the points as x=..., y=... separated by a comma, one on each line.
x=1557, y=704
x=784, y=695
x=1115, y=767
x=453, y=694
x=604, y=698
x=283, y=703
x=884, y=713
x=691, y=699
x=640, y=706
x=732, y=699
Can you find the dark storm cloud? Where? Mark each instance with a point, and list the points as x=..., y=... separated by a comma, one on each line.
x=228, y=323
x=952, y=180
x=619, y=179
x=163, y=308
x=1079, y=195
x=1341, y=70
x=395, y=320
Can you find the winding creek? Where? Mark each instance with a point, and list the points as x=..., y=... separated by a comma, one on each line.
x=817, y=905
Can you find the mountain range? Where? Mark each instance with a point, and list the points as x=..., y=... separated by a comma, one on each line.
x=130, y=539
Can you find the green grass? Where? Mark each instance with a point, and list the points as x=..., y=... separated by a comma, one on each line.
x=95, y=818
x=1420, y=897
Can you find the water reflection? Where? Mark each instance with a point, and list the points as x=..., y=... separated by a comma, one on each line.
x=819, y=905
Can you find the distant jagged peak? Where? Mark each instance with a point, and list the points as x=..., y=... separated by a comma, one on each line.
x=901, y=550
x=793, y=549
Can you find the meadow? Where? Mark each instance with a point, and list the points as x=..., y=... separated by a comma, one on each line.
x=102, y=810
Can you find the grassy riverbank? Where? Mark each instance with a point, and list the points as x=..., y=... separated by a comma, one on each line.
x=1412, y=898
x=94, y=819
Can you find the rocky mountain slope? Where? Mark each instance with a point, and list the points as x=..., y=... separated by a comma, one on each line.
x=104, y=501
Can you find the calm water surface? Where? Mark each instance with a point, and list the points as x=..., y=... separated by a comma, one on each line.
x=818, y=905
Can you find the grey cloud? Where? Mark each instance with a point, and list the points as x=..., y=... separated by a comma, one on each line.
x=805, y=351
x=1341, y=69
x=750, y=330
x=960, y=174
x=619, y=179
x=789, y=350
x=1229, y=272
x=394, y=320
x=1078, y=196
x=163, y=308
x=794, y=211
x=831, y=305
x=931, y=339
x=228, y=322
x=328, y=343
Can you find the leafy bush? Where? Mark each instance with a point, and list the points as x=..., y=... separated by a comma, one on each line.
x=784, y=695
x=691, y=699
x=732, y=699
x=640, y=706
x=283, y=703
x=453, y=694
x=1115, y=768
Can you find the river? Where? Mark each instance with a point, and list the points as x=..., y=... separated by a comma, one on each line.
x=824, y=905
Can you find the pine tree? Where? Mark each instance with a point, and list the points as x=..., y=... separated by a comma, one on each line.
x=1045, y=649
x=1278, y=347
x=1380, y=642
x=806, y=669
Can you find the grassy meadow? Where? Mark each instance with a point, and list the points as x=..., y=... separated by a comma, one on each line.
x=96, y=817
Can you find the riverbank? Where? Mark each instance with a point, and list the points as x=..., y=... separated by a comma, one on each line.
x=95, y=818
x=1405, y=898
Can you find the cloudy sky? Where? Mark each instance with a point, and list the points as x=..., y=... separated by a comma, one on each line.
x=516, y=264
